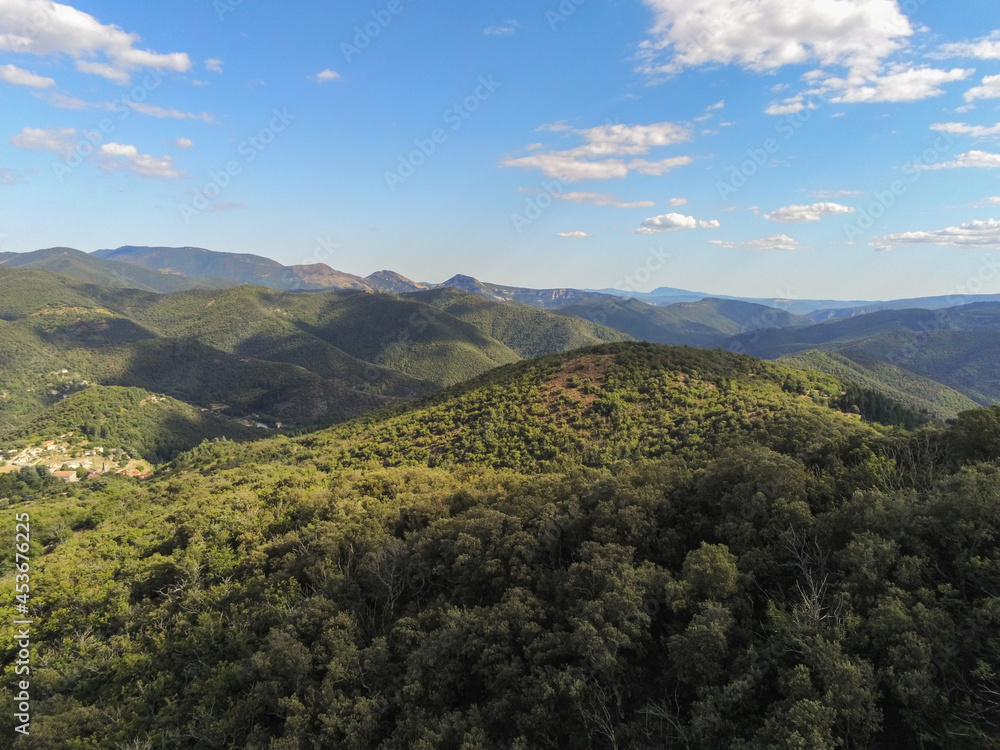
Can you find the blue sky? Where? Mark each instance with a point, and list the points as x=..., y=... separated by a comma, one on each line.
x=795, y=148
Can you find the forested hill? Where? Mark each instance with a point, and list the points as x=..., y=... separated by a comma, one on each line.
x=598, y=406
x=626, y=547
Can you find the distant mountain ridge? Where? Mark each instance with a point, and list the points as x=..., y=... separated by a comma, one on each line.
x=169, y=269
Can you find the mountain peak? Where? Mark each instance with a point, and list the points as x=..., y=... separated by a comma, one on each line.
x=391, y=282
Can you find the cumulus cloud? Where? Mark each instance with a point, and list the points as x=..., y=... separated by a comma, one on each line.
x=44, y=28
x=673, y=221
x=600, y=155
x=959, y=128
x=109, y=156
x=325, y=76
x=574, y=235
x=214, y=64
x=990, y=89
x=678, y=202
x=803, y=214
x=968, y=160
x=900, y=84
x=122, y=156
x=985, y=233
x=56, y=140
x=183, y=143
x=693, y=33
x=776, y=242
x=601, y=199
x=987, y=48
x=20, y=77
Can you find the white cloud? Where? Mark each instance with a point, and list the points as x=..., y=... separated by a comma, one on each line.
x=110, y=156
x=790, y=107
x=44, y=28
x=984, y=233
x=325, y=76
x=62, y=101
x=56, y=140
x=768, y=34
x=183, y=143
x=958, y=128
x=899, y=84
x=678, y=202
x=597, y=158
x=803, y=214
x=673, y=221
x=175, y=114
x=990, y=89
x=554, y=127
x=968, y=160
x=987, y=48
x=660, y=167
x=120, y=156
x=574, y=235
x=570, y=168
x=20, y=77
x=601, y=199
x=214, y=65
x=775, y=242
x=504, y=29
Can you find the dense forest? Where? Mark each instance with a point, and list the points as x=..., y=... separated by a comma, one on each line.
x=629, y=546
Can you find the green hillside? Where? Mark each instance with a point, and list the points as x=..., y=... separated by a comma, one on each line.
x=598, y=406
x=758, y=572
x=92, y=269
x=303, y=359
x=236, y=268
x=959, y=347
x=705, y=323
x=144, y=424
x=920, y=393
x=529, y=331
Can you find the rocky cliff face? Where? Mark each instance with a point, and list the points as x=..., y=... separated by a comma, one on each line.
x=544, y=298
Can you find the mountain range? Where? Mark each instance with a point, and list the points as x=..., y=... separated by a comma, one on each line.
x=303, y=346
